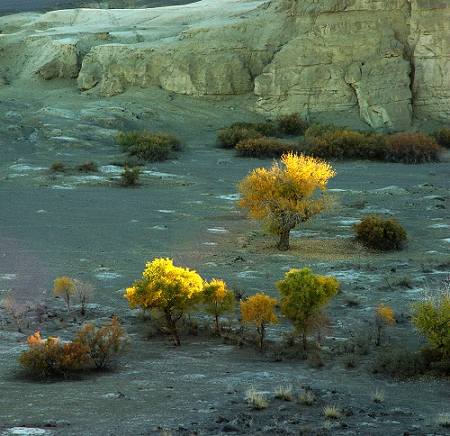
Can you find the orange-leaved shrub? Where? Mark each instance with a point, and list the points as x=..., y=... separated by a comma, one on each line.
x=411, y=148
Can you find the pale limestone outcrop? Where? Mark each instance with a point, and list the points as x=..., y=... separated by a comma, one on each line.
x=383, y=62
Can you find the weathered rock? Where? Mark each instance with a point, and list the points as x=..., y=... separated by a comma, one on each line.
x=384, y=62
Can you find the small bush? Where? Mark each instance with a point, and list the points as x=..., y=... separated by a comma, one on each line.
x=284, y=393
x=292, y=124
x=148, y=146
x=255, y=399
x=58, y=167
x=411, y=148
x=442, y=137
x=331, y=412
x=432, y=319
x=51, y=357
x=307, y=398
x=87, y=167
x=229, y=137
x=130, y=176
x=264, y=147
x=400, y=364
x=378, y=396
x=380, y=233
x=104, y=344
x=317, y=130
x=443, y=420
x=64, y=287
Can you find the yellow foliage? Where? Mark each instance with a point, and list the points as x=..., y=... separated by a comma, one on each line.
x=259, y=309
x=285, y=195
x=385, y=314
x=64, y=286
x=168, y=288
x=218, y=299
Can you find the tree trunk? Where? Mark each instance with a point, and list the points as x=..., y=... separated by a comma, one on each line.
x=304, y=341
x=173, y=329
x=217, y=324
x=283, y=244
x=261, y=337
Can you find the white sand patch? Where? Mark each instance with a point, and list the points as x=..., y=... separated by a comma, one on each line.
x=107, y=275
x=165, y=211
x=248, y=274
x=8, y=276
x=159, y=227
x=22, y=168
x=159, y=174
x=229, y=197
x=25, y=431
x=209, y=243
x=111, y=169
x=63, y=187
x=217, y=230
x=439, y=226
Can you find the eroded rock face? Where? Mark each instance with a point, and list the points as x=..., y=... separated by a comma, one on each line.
x=383, y=62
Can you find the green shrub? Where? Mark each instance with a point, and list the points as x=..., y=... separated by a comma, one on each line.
x=87, y=167
x=292, y=124
x=432, y=318
x=442, y=137
x=148, y=146
x=411, y=148
x=380, y=233
x=229, y=137
x=58, y=167
x=347, y=144
x=317, y=130
x=130, y=176
x=400, y=363
x=264, y=147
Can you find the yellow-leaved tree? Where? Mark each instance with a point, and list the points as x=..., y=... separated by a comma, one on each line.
x=289, y=193
x=259, y=309
x=303, y=296
x=218, y=299
x=384, y=316
x=64, y=287
x=169, y=289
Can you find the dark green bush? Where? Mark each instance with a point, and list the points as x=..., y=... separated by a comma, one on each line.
x=264, y=147
x=130, y=176
x=317, y=130
x=265, y=128
x=148, y=146
x=292, y=124
x=411, y=148
x=400, y=363
x=87, y=167
x=58, y=167
x=380, y=233
x=229, y=137
x=442, y=137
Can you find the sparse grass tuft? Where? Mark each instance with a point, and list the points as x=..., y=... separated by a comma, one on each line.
x=255, y=399
x=378, y=396
x=130, y=177
x=284, y=393
x=443, y=420
x=331, y=412
x=307, y=398
x=87, y=167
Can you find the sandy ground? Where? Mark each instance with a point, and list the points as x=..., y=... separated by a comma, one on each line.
x=88, y=227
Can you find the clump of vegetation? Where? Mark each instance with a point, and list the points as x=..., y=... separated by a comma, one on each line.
x=378, y=396
x=58, y=167
x=303, y=296
x=331, y=412
x=307, y=398
x=83, y=292
x=87, y=167
x=287, y=194
x=15, y=310
x=411, y=148
x=443, y=420
x=103, y=344
x=400, y=363
x=255, y=399
x=92, y=348
x=284, y=393
x=380, y=234
x=229, y=137
x=52, y=357
x=259, y=310
x=432, y=318
x=64, y=287
x=218, y=300
x=384, y=316
x=292, y=124
x=130, y=176
x=318, y=130
x=148, y=146
x=442, y=137
x=264, y=147
x=168, y=289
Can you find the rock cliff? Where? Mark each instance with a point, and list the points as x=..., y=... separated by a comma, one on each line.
x=385, y=62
